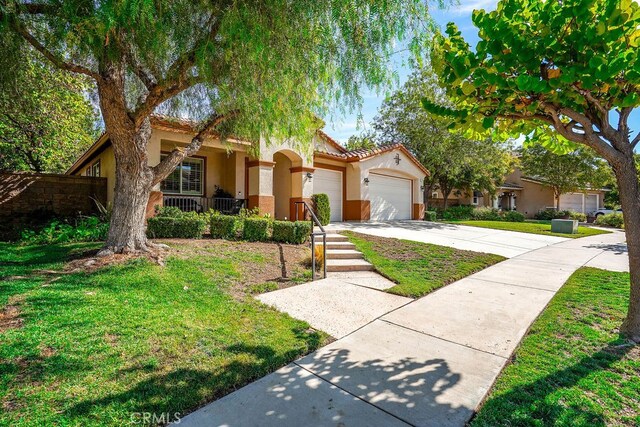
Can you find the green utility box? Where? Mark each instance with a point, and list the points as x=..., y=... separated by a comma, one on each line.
x=566, y=226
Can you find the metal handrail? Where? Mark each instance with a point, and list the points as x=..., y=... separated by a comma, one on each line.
x=323, y=233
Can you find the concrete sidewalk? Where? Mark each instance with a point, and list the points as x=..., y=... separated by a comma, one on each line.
x=427, y=362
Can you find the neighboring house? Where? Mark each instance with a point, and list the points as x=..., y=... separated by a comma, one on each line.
x=526, y=195
x=379, y=184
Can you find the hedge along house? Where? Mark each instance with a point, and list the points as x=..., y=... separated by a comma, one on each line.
x=379, y=184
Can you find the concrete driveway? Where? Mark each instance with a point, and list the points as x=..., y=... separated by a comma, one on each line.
x=506, y=243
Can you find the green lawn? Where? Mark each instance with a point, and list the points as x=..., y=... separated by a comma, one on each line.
x=532, y=227
x=94, y=348
x=572, y=369
x=419, y=268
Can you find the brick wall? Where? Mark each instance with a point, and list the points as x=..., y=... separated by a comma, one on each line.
x=23, y=194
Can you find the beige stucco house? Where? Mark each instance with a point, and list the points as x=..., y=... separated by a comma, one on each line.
x=379, y=184
x=527, y=195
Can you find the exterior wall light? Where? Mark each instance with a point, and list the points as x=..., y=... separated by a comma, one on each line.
x=366, y=181
x=309, y=175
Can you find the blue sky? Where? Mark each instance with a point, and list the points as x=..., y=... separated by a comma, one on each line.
x=341, y=126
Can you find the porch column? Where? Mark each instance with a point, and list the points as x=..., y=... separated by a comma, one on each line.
x=512, y=201
x=261, y=186
x=301, y=190
x=156, y=196
x=496, y=200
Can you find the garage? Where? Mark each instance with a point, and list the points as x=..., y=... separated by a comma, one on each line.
x=571, y=202
x=329, y=182
x=390, y=197
x=591, y=203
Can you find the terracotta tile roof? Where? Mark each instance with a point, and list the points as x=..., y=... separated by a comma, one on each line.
x=511, y=186
x=365, y=153
x=186, y=125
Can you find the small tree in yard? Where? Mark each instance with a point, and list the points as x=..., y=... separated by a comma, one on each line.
x=564, y=173
x=46, y=121
x=322, y=208
x=259, y=69
x=567, y=72
x=454, y=162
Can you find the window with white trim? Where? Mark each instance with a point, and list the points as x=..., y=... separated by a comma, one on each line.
x=93, y=170
x=476, y=198
x=187, y=178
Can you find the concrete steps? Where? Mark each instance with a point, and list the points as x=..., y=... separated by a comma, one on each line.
x=348, y=265
x=343, y=256
x=338, y=245
x=333, y=237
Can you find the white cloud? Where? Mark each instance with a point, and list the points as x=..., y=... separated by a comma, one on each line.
x=467, y=7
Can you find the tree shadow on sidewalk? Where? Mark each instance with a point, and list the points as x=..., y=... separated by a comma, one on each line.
x=292, y=395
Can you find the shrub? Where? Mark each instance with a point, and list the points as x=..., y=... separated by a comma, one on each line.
x=283, y=231
x=462, y=212
x=83, y=229
x=513, y=216
x=611, y=220
x=168, y=211
x=486, y=214
x=225, y=226
x=249, y=213
x=430, y=215
x=302, y=232
x=578, y=216
x=322, y=208
x=256, y=229
x=318, y=254
x=549, y=214
x=188, y=225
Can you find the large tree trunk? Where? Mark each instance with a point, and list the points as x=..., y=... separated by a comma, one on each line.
x=427, y=193
x=127, y=230
x=445, y=196
x=626, y=175
x=134, y=177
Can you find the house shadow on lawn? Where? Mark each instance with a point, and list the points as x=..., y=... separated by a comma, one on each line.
x=533, y=403
x=184, y=389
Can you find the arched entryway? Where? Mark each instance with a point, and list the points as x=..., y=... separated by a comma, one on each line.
x=282, y=181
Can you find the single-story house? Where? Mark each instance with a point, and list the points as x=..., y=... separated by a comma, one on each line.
x=527, y=195
x=379, y=184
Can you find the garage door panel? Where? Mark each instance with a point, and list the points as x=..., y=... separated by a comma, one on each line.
x=329, y=182
x=571, y=202
x=390, y=197
x=591, y=203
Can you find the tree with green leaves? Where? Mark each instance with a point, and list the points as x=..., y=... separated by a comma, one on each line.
x=564, y=73
x=257, y=69
x=363, y=141
x=46, y=120
x=564, y=173
x=454, y=161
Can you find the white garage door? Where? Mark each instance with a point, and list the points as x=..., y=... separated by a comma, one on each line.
x=591, y=203
x=330, y=183
x=390, y=197
x=571, y=202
